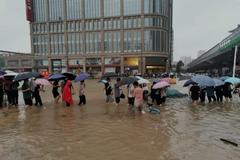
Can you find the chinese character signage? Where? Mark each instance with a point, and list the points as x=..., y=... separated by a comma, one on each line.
x=29, y=11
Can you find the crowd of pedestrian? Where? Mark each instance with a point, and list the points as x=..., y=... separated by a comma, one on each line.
x=213, y=94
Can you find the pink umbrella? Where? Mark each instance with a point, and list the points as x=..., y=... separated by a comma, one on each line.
x=166, y=80
x=43, y=81
x=161, y=84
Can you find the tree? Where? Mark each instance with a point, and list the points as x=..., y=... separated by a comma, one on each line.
x=2, y=62
x=179, y=66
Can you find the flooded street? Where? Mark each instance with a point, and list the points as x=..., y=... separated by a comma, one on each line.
x=105, y=131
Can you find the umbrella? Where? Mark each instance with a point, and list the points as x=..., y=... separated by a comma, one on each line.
x=56, y=77
x=43, y=81
x=26, y=75
x=128, y=80
x=161, y=84
x=203, y=80
x=232, y=80
x=103, y=81
x=82, y=77
x=2, y=72
x=187, y=83
x=218, y=82
x=166, y=80
x=142, y=81
x=70, y=76
x=224, y=78
x=10, y=75
x=156, y=80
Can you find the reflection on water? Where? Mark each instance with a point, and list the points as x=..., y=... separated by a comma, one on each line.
x=105, y=131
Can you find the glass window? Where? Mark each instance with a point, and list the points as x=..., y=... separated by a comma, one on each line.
x=40, y=10
x=56, y=11
x=156, y=7
x=74, y=9
x=92, y=8
x=111, y=8
x=132, y=7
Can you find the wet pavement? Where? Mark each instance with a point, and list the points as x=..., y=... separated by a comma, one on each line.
x=106, y=131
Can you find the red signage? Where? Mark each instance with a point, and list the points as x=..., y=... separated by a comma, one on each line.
x=29, y=10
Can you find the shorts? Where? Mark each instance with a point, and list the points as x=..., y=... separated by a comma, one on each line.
x=28, y=102
x=131, y=101
x=138, y=104
x=117, y=100
x=109, y=99
x=55, y=94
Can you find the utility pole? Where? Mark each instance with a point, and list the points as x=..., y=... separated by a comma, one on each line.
x=234, y=61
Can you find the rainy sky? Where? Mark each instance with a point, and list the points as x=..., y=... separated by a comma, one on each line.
x=198, y=25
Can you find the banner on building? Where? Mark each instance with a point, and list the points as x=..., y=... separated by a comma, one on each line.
x=29, y=10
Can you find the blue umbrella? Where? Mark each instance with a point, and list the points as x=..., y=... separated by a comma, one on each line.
x=232, y=80
x=187, y=83
x=203, y=80
x=82, y=77
x=218, y=82
x=56, y=77
x=224, y=78
x=26, y=75
x=2, y=72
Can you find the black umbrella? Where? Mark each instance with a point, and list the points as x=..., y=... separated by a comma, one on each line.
x=56, y=77
x=70, y=76
x=189, y=82
x=128, y=80
x=26, y=75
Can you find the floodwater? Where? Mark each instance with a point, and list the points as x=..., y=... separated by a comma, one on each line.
x=100, y=131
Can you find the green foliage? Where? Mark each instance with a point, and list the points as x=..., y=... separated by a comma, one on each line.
x=179, y=66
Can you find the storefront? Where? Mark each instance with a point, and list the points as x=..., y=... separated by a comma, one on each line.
x=131, y=65
x=155, y=65
x=112, y=65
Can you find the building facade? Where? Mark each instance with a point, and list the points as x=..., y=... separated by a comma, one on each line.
x=101, y=36
x=15, y=61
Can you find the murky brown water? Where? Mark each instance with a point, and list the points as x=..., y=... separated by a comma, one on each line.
x=104, y=131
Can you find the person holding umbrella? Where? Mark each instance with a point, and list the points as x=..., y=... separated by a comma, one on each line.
x=138, y=97
x=219, y=93
x=67, y=94
x=27, y=93
x=210, y=94
x=194, y=93
x=38, y=99
x=55, y=92
x=227, y=91
x=14, y=87
x=108, y=89
x=82, y=96
x=117, y=90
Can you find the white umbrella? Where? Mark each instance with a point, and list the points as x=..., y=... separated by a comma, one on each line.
x=142, y=80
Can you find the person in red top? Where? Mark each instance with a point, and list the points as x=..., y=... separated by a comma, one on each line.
x=67, y=94
x=138, y=96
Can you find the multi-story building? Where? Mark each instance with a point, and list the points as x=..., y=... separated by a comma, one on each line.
x=186, y=60
x=15, y=61
x=101, y=35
